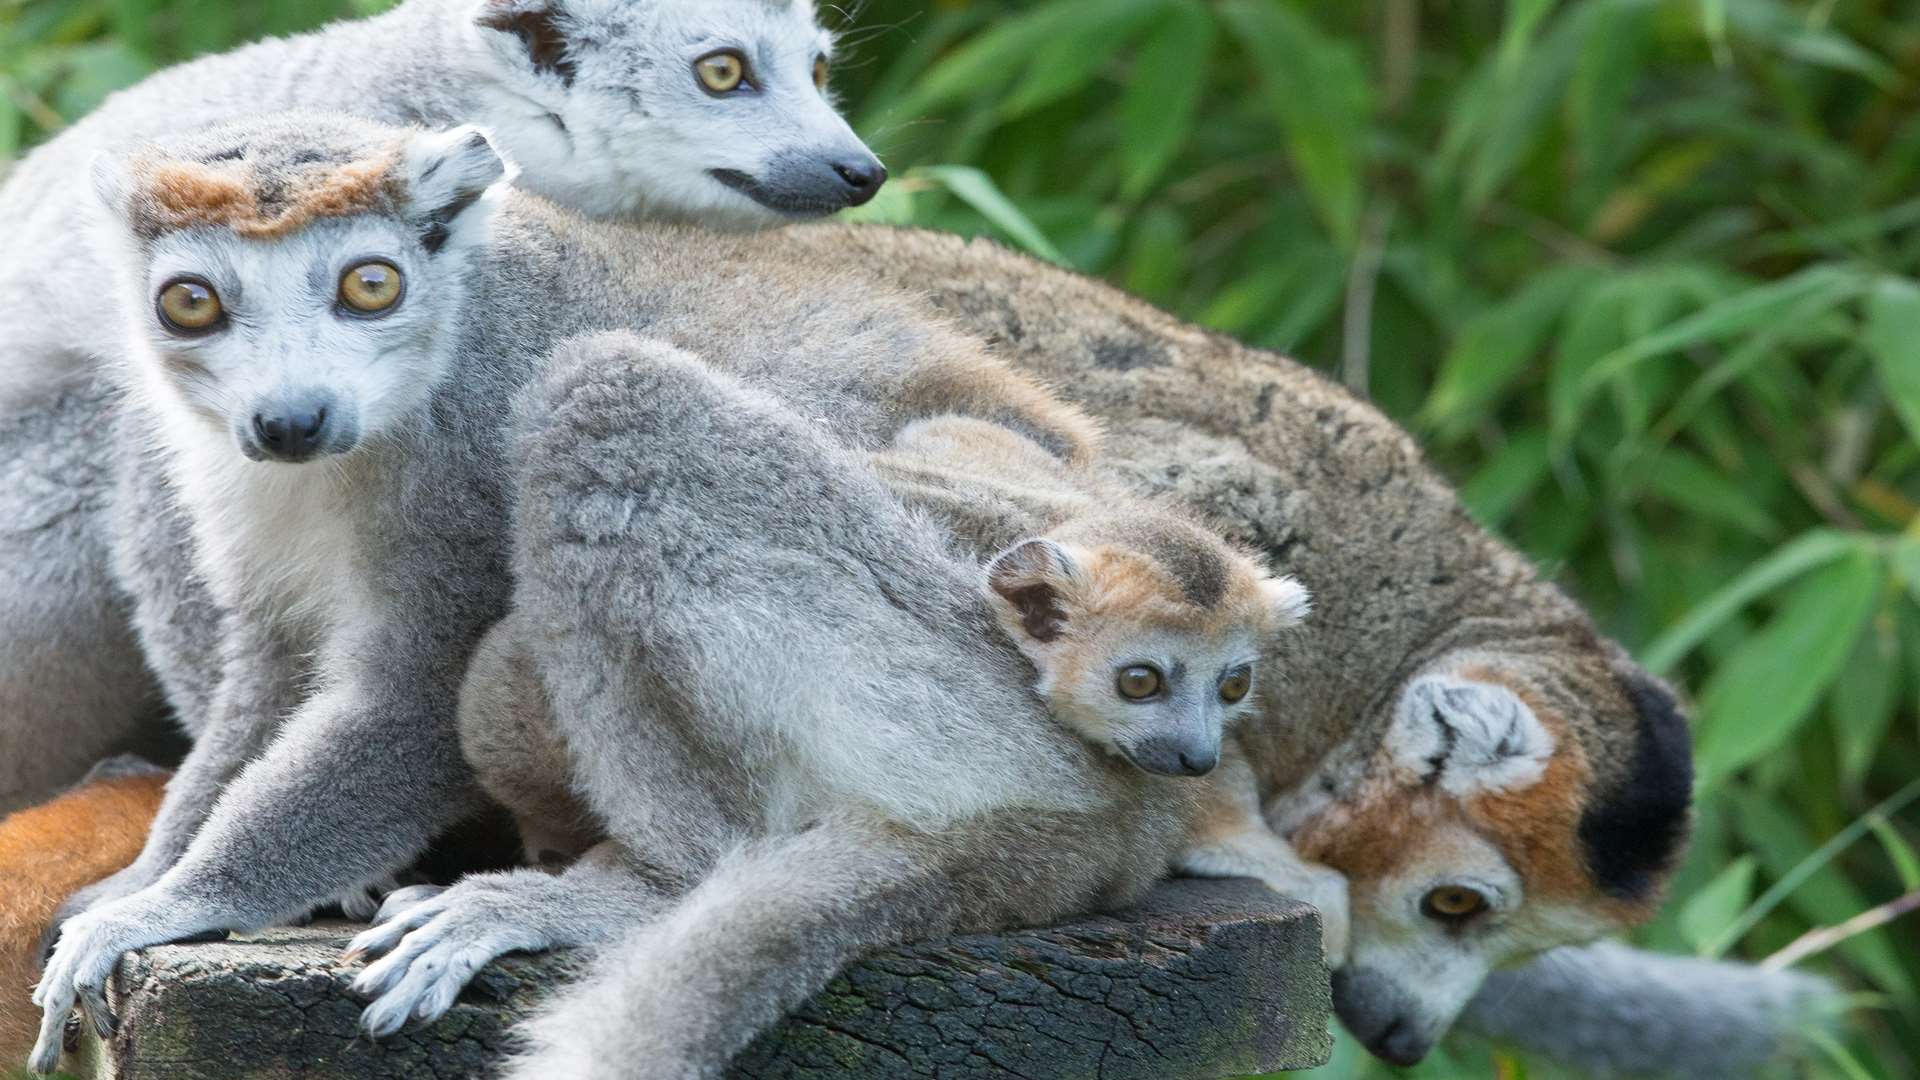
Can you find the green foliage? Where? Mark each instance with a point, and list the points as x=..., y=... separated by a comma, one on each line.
x=1644, y=274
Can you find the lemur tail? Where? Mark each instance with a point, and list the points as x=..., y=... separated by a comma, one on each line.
x=47, y=852
x=1613, y=1010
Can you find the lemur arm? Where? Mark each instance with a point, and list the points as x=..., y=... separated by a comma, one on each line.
x=364, y=774
x=431, y=940
x=1233, y=839
x=259, y=684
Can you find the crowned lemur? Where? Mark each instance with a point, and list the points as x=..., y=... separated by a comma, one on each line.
x=715, y=111
x=1492, y=775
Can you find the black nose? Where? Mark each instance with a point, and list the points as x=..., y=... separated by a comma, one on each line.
x=864, y=178
x=1171, y=756
x=291, y=436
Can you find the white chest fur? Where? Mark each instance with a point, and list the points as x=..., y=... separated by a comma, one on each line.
x=273, y=540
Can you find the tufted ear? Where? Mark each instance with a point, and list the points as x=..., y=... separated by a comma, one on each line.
x=446, y=173
x=1468, y=736
x=538, y=32
x=1031, y=578
x=1287, y=599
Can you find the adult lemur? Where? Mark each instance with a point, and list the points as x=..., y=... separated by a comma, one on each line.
x=325, y=320
x=708, y=110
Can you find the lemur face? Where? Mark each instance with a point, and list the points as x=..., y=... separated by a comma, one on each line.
x=715, y=110
x=1131, y=658
x=1478, y=835
x=294, y=286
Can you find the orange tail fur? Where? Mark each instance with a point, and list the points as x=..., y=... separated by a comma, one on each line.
x=47, y=852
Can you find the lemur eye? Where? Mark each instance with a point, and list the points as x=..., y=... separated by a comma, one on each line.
x=820, y=72
x=1453, y=903
x=721, y=72
x=1139, y=682
x=1235, y=684
x=190, y=306
x=370, y=288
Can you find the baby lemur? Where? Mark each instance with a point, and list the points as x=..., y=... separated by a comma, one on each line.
x=1150, y=636
x=325, y=322
x=714, y=111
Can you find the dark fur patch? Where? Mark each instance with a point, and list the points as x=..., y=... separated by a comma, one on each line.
x=1121, y=354
x=1634, y=833
x=1195, y=564
x=436, y=226
x=539, y=30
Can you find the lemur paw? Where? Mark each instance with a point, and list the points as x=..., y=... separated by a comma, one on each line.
x=105, y=891
x=1326, y=890
x=432, y=942
x=83, y=960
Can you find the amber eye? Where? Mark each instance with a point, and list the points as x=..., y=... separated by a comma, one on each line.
x=1235, y=684
x=1139, y=682
x=820, y=73
x=370, y=288
x=190, y=306
x=721, y=72
x=1453, y=903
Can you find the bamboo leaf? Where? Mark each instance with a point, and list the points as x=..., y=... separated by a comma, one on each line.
x=1157, y=111
x=978, y=190
x=1771, y=683
x=1707, y=913
x=1893, y=337
x=1317, y=86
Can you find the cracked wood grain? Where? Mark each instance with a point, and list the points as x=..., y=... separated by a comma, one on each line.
x=1204, y=981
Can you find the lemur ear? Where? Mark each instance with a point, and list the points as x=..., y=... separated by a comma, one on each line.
x=1030, y=577
x=1468, y=736
x=1287, y=599
x=1635, y=829
x=109, y=180
x=538, y=29
x=446, y=173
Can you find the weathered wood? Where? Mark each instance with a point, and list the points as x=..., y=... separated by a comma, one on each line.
x=1206, y=980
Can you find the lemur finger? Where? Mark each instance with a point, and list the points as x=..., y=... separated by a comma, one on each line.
x=46, y=1050
x=401, y=899
x=391, y=1011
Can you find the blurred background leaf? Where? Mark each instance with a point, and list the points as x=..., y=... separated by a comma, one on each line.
x=1643, y=274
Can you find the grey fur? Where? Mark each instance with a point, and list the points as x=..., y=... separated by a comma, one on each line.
x=631, y=134
x=1612, y=1010
x=366, y=768
x=745, y=700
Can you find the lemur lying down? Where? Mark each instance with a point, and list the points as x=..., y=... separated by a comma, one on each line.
x=1428, y=630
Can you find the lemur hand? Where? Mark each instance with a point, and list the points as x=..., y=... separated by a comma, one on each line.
x=89, y=947
x=433, y=941
x=108, y=889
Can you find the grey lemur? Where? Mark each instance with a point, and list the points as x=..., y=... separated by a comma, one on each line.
x=784, y=696
x=324, y=321
x=715, y=111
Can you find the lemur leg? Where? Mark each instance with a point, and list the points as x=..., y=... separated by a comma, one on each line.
x=433, y=941
x=506, y=733
x=261, y=684
x=72, y=683
x=363, y=775
x=780, y=916
x=1234, y=840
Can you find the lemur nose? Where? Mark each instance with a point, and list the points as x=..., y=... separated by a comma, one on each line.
x=290, y=436
x=863, y=177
